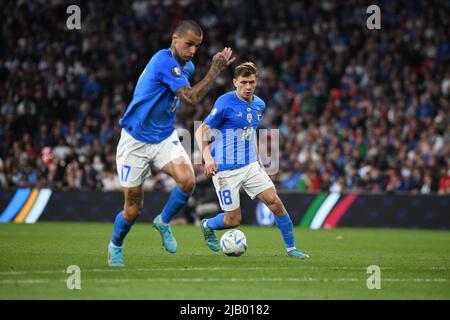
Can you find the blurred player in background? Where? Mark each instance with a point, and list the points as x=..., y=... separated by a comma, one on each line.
x=148, y=133
x=234, y=164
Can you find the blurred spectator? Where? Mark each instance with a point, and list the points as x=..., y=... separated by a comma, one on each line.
x=444, y=182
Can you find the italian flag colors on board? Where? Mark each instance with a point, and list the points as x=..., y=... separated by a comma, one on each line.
x=326, y=210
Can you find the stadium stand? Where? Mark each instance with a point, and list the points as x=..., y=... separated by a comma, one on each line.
x=358, y=110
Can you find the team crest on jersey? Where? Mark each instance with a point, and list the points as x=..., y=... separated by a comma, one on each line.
x=249, y=117
x=176, y=71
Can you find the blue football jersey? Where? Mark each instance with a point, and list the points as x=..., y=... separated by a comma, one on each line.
x=235, y=121
x=150, y=116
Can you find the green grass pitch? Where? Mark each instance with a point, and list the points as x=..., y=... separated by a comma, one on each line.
x=34, y=258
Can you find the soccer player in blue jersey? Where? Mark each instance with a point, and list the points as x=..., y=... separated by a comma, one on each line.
x=233, y=162
x=148, y=134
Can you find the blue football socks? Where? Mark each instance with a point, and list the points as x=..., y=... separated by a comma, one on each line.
x=284, y=223
x=176, y=201
x=121, y=228
x=216, y=223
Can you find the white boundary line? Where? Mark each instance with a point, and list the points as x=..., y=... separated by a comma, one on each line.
x=108, y=270
x=297, y=268
x=263, y=279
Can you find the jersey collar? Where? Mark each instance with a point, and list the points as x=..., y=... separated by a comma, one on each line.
x=237, y=96
x=171, y=53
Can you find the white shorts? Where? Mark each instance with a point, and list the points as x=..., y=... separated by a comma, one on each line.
x=252, y=178
x=133, y=157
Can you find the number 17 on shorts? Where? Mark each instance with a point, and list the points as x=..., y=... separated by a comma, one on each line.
x=124, y=172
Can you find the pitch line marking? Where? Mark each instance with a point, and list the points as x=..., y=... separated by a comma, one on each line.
x=263, y=279
x=298, y=268
x=106, y=270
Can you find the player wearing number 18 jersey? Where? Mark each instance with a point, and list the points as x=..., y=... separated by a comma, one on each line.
x=233, y=161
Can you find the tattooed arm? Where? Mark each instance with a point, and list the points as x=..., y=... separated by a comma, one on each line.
x=192, y=95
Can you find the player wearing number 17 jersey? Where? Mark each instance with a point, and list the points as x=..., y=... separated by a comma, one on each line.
x=233, y=161
x=148, y=134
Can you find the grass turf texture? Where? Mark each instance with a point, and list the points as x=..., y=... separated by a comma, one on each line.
x=34, y=258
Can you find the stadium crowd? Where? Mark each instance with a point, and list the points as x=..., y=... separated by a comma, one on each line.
x=357, y=109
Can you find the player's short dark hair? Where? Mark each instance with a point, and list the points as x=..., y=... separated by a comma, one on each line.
x=245, y=69
x=186, y=25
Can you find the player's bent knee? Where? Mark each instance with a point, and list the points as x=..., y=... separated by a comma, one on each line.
x=187, y=184
x=276, y=206
x=274, y=200
x=131, y=214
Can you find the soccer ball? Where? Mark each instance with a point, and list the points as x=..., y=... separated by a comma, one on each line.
x=233, y=243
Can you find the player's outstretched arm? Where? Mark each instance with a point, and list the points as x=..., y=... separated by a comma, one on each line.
x=200, y=137
x=192, y=95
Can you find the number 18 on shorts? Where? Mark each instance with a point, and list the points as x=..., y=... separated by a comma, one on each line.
x=252, y=178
